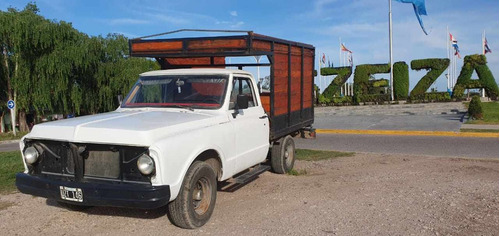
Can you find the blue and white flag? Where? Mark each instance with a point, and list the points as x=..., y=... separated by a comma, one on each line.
x=419, y=8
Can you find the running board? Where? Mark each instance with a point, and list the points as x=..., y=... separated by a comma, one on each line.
x=250, y=175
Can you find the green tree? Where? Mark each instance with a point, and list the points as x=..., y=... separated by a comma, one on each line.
x=48, y=66
x=117, y=72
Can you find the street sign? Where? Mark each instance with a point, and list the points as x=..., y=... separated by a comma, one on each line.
x=11, y=104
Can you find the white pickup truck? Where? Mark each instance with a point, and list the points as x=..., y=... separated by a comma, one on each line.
x=176, y=135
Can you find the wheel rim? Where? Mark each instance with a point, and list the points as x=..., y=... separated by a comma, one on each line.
x=289, y=155
x=202, y=196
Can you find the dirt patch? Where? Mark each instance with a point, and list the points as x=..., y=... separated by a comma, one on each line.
x=360, y=195
x=5, y=205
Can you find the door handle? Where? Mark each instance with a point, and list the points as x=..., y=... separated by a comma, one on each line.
x=263, y=117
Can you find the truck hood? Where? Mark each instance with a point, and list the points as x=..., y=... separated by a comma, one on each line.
x=136, y=128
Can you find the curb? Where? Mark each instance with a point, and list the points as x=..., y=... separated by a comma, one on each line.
x=10, y=141
x=408, y=133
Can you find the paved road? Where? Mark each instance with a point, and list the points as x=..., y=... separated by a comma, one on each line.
x=426, y=116
x=415, y=145
x=445, y=122
x=7, y=147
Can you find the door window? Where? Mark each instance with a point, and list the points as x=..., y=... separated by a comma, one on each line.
x=242, y=86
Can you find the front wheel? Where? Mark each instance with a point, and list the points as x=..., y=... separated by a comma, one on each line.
x=283, y=155
x=196, y=200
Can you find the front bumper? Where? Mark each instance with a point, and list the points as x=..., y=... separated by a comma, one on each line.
x=97, y=194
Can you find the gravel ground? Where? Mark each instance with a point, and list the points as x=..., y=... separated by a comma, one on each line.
x=368, y=194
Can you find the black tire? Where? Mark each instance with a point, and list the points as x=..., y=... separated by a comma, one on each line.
x=73, y=207
x=196, y=200
x=283, y=155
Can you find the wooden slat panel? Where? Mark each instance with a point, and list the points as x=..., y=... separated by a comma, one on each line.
x=217, y=44
x=280, y=82
x=295, y=83
x=197, y=61
x=261, y=45
x=308, y=79
x=265, y=99
x=156, y=46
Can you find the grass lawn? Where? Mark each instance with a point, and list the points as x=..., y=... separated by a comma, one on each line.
x=10, y=136
x=480, y=130
x=317, y=155
x=10, y=164
x=490, y=114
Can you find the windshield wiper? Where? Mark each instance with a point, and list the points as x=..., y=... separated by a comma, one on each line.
x=184, y=106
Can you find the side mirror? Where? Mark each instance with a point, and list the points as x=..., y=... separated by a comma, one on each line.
x=242, y=101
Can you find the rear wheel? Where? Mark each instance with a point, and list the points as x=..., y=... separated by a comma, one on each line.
x=196, y=200
x=283, y=155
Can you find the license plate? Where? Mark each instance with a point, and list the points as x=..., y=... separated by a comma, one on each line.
x=71, y=194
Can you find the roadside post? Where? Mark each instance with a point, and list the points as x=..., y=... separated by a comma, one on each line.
x=11, y=105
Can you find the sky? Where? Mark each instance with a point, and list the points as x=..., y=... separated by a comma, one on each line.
x=362, y=25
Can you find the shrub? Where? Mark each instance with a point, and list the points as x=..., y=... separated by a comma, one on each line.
x=345, y=100
x=375, y=98
x=431, y=97
x=475, y=110
x=323, y=99
x=401, y=80
x=362, y=76
x=486, y=79
x=436, y=67
x=343, y=73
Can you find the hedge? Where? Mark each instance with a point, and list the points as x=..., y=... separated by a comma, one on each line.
x=343, y=73
x=362, y=76
x=431, y=97
x=378, y=83
x=436, y=67
x=486, y=79
x=375, y=98
x=401, y=80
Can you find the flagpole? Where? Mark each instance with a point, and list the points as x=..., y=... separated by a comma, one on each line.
x=319, y=71
x=448, y=52
x=390, y=49
x=484, y=53
x=484, y=36
x=340, y=51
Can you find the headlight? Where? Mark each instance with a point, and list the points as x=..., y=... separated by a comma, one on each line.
x=31, y=155
x=145, y=164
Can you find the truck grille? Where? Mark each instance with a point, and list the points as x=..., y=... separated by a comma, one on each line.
x=87, y=162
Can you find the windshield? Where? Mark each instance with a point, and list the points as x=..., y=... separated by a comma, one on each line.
x=190, y=91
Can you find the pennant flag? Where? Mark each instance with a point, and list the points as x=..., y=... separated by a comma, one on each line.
x=419, y=8
x=323, y=59
x=343, y=48
x=454, y=43
x=486, y=47
x=350, y=59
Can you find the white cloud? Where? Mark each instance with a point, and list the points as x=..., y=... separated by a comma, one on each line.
x=233, y=13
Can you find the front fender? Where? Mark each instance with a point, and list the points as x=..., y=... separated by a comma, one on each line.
x=174, y=155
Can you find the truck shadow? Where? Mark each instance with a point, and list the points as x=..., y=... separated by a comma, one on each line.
x=140, y=213
x=116, y=211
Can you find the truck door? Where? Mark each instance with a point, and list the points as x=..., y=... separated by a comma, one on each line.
x=251, y=125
